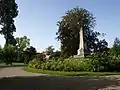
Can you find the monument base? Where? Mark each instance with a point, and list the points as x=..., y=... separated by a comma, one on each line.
x=80, y=53
x=78, y=56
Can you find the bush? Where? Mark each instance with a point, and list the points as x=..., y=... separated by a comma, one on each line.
x=99, y=62
x=35, y=64
x=61, y=65
x=104, y=62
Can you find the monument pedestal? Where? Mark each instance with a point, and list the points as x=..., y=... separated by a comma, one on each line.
x=78, y=56
x=80, y=52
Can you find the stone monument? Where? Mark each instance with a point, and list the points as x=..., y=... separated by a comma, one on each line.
x=81, y=44
x=80, y=52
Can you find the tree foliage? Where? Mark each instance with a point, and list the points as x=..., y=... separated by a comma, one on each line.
x=29, y=53
x=8, y=11
x=9, y=53
x=68, y=32
x=57, y=54
x=50, y=50
x=116, y=41
x=22, y=44
x=115, y=50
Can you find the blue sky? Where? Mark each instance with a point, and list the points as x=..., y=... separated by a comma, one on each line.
x=37, y=19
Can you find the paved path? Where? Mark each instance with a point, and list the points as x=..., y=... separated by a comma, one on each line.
x=18, y=79
x=16, y=71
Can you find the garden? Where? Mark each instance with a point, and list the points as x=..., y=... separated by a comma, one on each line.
x=98, y=59
x=96, y=65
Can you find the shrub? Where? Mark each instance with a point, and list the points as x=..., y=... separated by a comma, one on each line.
x=99, y=62
x=104, y=62
x=61, y=65
x=35, y=64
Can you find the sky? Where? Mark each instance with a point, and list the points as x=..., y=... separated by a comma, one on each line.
x=37, y=19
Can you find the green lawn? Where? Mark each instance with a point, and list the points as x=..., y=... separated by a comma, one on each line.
x=62, y=73
x=2, y=65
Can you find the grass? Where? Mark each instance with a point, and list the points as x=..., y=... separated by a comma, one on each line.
x=62, y=73
x=3, y=65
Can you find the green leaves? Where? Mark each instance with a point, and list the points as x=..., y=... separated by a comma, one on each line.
x=9, y=53
x=115, y=50
x=29, y=53
x=50, y=50
x=22, y=43
x=62, y=65
x=8, y=11
x=68, y=32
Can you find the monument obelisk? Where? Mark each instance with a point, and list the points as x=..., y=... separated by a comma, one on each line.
x=80, y=52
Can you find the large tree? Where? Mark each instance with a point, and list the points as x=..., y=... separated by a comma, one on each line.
x=8, y=11
x=68, y=32
x=29, y=54
x=22, y=44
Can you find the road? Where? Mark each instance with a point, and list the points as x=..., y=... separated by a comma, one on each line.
x=15, y=78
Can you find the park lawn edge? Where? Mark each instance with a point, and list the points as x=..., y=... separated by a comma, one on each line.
x=63, y=73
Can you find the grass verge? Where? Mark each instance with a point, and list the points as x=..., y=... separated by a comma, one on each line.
x=62, y=73
x=3, y=65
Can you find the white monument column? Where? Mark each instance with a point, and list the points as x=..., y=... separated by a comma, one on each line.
x=81, y=44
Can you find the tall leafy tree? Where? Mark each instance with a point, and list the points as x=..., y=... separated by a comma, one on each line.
x=22, y=44
x=8, y=11
x=68, y=32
